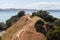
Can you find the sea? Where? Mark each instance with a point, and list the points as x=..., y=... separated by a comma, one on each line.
x=5, y=15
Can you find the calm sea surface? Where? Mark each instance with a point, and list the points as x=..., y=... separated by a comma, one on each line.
x=6, y=15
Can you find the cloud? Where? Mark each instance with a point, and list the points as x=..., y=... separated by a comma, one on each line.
x=44, y=5
x=7, y=6
x=38, y=5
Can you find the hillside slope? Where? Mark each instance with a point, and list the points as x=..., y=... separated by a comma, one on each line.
x=24, y=30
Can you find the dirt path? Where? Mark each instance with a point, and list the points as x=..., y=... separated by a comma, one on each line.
x=24, y=29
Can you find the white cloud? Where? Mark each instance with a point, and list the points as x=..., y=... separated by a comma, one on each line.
x=7, y=6
x=44, y=5
x=39, y=5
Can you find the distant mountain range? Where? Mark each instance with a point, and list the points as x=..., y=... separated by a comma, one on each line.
x=18, y=9
x=13, y=9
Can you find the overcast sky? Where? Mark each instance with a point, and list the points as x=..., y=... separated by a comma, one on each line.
x=30, y=4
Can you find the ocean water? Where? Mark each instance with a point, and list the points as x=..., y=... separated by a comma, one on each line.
x=6, y=15
x=55, y=13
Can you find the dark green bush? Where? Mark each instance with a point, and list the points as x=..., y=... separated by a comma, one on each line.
x=2, y=26
x=15, y=18
x=10, y=21
x=57, y=22
x=40, y=22
x=34, y=14
x=45, y=15
x=21, y=13
x=39, y=26
x=54, y=35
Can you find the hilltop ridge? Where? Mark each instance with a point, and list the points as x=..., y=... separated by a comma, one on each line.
x=23, y=29
x=38, y=26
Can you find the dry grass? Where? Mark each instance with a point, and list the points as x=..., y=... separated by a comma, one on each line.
x=13, y=29
x=31, y=34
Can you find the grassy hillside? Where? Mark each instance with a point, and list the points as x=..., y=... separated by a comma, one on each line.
x=14, y=28
x=25, y=20
x=38, y=26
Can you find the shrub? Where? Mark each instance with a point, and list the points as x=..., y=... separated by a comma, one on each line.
x=10, y=21
x=57, y=22
x=40, y=22
x=15, y=18
x=39, y=26
x=21, y=13
x=34, y=14
x=45, y=15
x=54, y=35
x=2, y=26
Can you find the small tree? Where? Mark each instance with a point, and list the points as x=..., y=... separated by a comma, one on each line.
x=57, y=22
x=2, y=26
x=21, y=13
x=15, y=18
x=42, y=14
x=40, y=22
x=39, y=26
x=34, y=14
x=54, y=35
x=10, y=21
x=50, y=18
x=45, y=15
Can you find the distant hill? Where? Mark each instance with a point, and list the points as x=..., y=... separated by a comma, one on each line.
x=54, y=10
x=32, y=10
x=13, y=9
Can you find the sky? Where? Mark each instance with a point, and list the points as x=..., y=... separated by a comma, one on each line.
x=30, y=4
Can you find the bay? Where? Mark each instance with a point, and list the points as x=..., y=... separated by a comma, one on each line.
x=6, y=15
